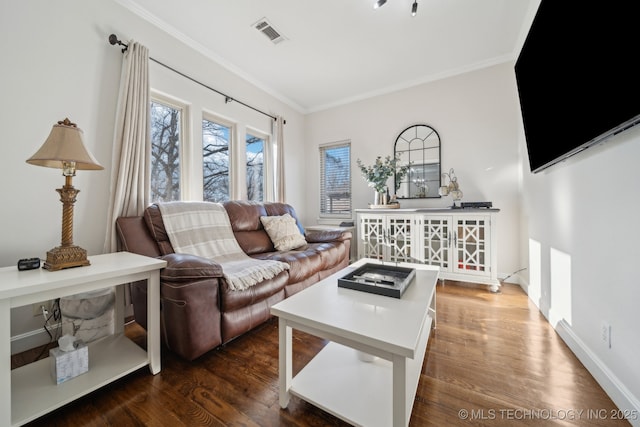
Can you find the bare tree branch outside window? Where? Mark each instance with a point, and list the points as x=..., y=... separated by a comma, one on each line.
x=255, y=168
x=215, y=161
x=165, y=152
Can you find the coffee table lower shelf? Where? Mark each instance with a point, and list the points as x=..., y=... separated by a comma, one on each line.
x=360, y=393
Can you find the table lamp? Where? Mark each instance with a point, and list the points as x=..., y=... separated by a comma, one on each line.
x=64, y=149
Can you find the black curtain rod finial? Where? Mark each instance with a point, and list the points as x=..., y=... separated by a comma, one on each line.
x=113, y=39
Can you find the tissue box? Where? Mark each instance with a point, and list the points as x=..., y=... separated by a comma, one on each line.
x=68, y=364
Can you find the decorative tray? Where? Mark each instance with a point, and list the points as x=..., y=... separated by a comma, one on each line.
x=388, y=206
x=379, y=279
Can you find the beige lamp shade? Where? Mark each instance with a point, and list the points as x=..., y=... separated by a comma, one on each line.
x=64, y=144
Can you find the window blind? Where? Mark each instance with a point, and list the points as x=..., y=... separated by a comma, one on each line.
x=335, y=179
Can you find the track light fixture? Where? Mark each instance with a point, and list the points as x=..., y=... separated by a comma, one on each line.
x=379, y=3
x=414, y=6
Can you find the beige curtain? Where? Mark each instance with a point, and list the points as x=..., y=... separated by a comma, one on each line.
x=278, y=134
x=130, y=158
x=131, y=153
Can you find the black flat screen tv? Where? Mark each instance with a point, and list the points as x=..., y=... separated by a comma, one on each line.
x=578, y=77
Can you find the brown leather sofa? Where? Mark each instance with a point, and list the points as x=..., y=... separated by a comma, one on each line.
x=199, y=311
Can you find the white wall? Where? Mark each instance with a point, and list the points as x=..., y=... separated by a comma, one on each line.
x=476, y=116
x=586, y=211
x=57, y=63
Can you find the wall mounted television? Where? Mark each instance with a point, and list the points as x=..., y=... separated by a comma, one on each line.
x=578, y=77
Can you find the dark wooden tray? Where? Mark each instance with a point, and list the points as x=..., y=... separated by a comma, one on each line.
x=379, y=279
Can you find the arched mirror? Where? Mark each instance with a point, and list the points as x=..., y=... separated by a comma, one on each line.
x=418, y=145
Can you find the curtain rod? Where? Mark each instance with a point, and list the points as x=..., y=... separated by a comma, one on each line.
x=113, y=39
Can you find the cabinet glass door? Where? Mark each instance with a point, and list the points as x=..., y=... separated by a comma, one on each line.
x=401, y=248
x=372, y=233
x=436, y=235
x=471, y=251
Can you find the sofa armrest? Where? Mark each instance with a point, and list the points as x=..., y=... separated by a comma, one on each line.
x=187, y=267
x=324, y=236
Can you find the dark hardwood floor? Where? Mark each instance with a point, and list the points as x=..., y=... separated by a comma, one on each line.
x=493, y=360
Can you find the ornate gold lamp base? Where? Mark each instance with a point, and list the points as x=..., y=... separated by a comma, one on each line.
x=66, y=257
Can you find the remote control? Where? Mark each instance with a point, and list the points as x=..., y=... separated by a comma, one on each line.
x=28, y=264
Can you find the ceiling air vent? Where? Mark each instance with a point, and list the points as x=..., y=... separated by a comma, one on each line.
x=268, y=30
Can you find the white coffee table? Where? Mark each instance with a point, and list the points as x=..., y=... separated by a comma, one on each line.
x=378, y=393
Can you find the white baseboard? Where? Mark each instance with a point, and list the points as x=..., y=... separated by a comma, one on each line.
x=31, y=339
x=611, y=384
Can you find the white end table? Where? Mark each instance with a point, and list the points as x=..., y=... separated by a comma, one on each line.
x=28, y=392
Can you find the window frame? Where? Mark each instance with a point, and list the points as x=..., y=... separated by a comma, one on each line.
x=184, y=135
x=233, y=138
x=322, y=191
x=267, y=190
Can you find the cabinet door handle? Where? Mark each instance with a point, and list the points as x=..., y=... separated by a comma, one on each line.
x=455, y=238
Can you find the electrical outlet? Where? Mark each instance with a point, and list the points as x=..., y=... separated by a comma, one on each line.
x=605, y=334
x=37, y=308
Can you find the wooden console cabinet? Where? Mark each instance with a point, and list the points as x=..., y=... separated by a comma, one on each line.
x=461, y=242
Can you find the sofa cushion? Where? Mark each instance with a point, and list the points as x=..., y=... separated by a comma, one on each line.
x=135, y=237
x=331, y=252
x=283, y=232
x=245, y=222
x=303, y=262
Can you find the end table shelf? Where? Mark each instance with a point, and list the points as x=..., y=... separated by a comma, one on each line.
x=29, y=392
x=35, y=394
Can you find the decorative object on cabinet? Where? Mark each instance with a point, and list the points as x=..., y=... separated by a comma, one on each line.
x=452, y=188
x=461, y=242
x=64, y=149
x=379, y=173
x=419, y=145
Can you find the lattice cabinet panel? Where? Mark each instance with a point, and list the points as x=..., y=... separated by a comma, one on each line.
x=388, y=238
x=461, y=242
x=371, y=236
x=400, y=242
x=471, y=245
x=435, y=234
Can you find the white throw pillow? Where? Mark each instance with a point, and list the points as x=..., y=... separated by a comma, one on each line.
x=283, y=232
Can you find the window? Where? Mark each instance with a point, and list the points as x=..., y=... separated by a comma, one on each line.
x=166, y=133
x=215, y=161
x=200, y=155
x=255, y=167
x=335, y=179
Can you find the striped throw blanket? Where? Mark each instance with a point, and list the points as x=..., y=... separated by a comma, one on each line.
x=204, y=229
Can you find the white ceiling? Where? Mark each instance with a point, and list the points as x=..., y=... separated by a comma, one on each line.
x=338, y=51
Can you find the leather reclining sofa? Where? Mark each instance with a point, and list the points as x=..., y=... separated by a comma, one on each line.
x=199, y=311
